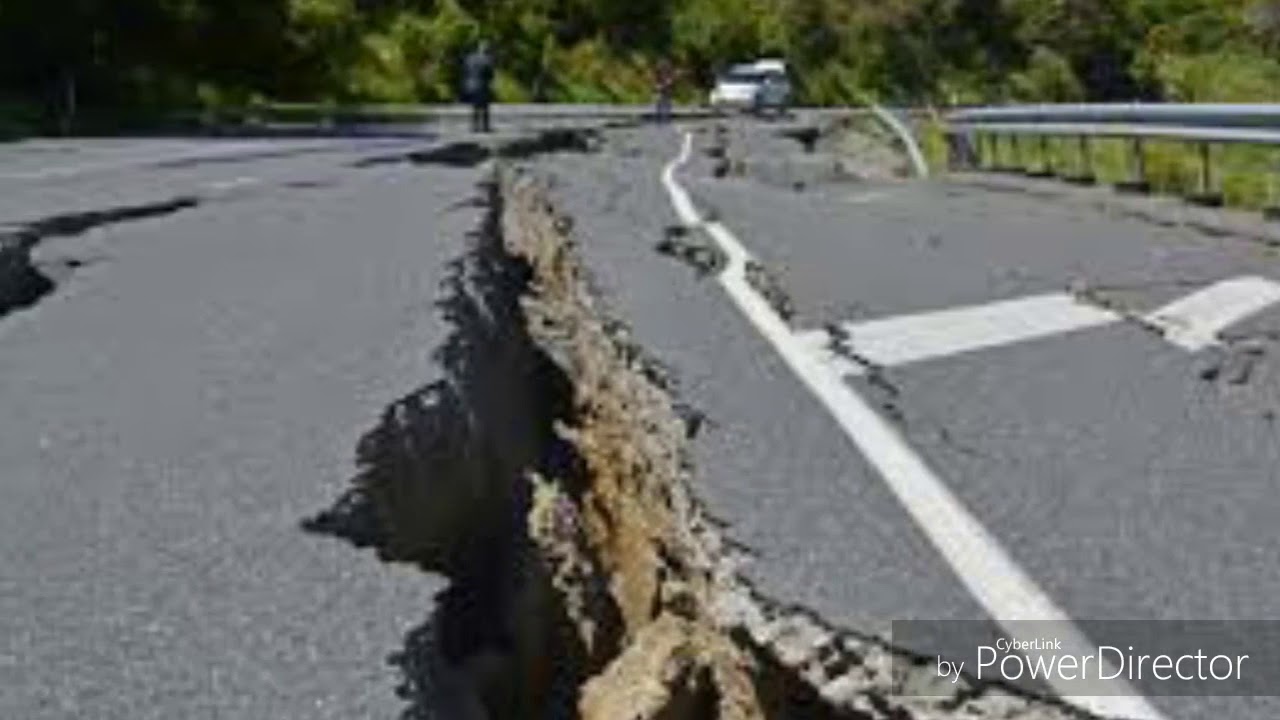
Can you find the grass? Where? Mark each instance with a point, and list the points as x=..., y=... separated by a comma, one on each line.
x=1247, y=176
x=933, y=143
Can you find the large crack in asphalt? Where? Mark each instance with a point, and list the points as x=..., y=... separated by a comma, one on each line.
x=548, y=476
x=444, y=485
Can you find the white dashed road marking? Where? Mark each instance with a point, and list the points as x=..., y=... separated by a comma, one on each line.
x=1193, y=323
x=980, y=562
x=912, y=338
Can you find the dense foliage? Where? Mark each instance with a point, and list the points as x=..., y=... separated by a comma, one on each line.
x=146, y=55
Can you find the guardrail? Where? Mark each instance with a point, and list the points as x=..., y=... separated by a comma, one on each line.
x=978, y=132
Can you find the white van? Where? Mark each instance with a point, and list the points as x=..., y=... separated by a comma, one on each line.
x=758, y=86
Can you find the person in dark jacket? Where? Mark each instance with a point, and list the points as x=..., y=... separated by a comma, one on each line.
x=477, y=85
x=664, y=85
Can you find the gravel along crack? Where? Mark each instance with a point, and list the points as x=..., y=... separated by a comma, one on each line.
x=548, y=476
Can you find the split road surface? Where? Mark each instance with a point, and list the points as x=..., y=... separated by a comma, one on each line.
x=1059, y=409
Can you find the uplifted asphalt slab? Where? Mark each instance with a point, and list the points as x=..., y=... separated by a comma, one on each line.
x=821, y=530
x=1129, y=476
x=195, y=388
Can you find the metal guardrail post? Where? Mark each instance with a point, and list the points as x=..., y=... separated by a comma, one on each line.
x=1137, y=181
x=1208, y=194
x=1085, y=150
x=1272, y=210
x=962, y=150
x=1046, y=160
x=1206, y=168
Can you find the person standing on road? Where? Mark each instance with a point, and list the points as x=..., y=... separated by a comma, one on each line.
x=664, y=87
x=477, y=81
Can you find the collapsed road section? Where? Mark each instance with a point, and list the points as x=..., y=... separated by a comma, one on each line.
x=548, y=476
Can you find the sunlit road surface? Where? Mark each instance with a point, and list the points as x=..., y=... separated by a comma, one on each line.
x=1093, y=391
x=1097, y=393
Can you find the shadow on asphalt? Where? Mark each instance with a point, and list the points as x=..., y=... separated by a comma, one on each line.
x=473, y=152
x=22, y=284
x=441, y=486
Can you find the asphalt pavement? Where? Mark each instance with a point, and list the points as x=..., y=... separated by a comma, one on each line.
x=1129, y=477
x=192, y=390
x=195, y=386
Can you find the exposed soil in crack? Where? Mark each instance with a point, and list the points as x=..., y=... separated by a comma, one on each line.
x=548, y=477
x=446, y=484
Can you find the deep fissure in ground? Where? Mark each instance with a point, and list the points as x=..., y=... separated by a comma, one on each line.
x=547, y=477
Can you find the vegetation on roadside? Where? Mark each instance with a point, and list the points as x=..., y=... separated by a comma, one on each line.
x=116, y=61
x=1244, y=176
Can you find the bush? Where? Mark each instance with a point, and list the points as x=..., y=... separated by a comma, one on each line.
x=18, y=119
x=1226, y=76
x=1047, y=78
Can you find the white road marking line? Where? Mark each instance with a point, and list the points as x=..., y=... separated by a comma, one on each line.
x=984, y=567
x=1193, y=322
x=912, y=338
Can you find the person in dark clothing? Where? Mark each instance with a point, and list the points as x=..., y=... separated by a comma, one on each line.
x=664, y=86
x=477, y=77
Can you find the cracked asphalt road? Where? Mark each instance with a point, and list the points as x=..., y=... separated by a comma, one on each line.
x=197, y=382
x=1130, y=478
x=190, y=393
